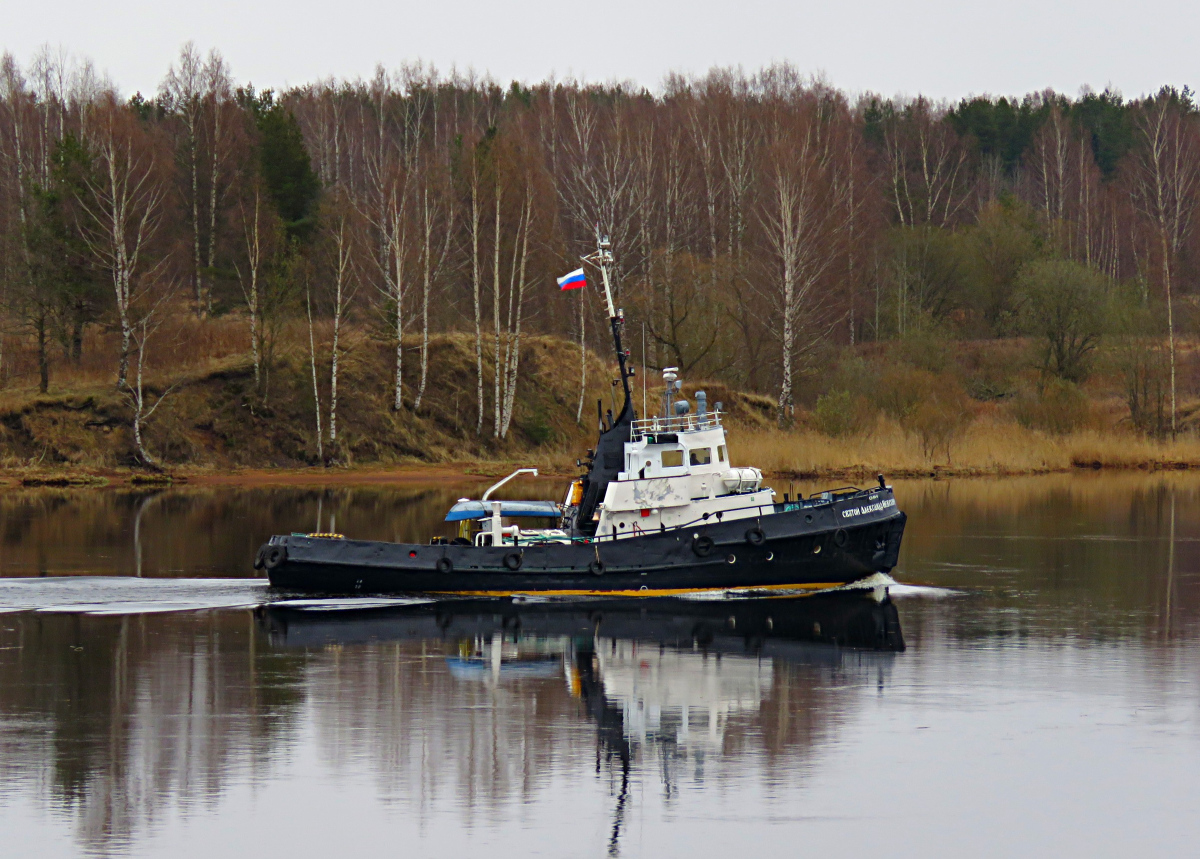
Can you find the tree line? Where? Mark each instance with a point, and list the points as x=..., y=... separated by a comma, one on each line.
x=762, y=222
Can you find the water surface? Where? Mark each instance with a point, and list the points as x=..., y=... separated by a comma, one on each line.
x=1045, y=700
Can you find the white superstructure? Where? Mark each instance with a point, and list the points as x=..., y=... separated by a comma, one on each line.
x=677, y=472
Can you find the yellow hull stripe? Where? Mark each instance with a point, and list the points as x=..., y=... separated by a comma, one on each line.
x=649, y=592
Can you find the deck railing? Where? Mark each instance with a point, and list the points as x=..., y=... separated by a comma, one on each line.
x=677, y=424
x=818, y=499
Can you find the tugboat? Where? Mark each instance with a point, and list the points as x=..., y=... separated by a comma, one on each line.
x=659, y=511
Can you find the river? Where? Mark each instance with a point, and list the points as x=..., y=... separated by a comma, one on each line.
x=1031, y=685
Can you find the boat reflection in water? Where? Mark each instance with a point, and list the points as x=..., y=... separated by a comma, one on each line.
x=668, y=675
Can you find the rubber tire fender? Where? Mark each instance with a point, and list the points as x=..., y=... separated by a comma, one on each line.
x=258, y=558
x=755, y=536
x=274, y=557
x=702, y=545
x=512, y=561
x=840, y=538
x=596, y=567
x=444, y=565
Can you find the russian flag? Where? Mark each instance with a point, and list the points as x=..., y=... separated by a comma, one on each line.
x=574, y=280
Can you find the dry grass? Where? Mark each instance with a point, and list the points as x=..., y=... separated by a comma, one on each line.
x=184, y=346
x=213, y=422
x=990, y=445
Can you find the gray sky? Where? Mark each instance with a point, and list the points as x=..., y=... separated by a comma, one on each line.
x=941, y=48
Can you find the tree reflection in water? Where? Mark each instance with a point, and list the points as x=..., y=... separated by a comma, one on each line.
x=117, y=717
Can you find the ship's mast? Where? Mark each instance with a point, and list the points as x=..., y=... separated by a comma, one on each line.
x=607, y=461
x=603, y=259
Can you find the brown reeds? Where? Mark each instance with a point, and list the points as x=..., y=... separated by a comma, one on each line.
x=990, y=445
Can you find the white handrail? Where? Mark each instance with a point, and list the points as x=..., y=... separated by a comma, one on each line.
x=493, y=488
x=679, y=423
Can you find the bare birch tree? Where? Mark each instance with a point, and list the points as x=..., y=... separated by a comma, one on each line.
x=142, y=401
x=799, y=214
x=926, y=166
x=1166, y=178
x=312, y=363
x=342, y=274
x=437, y=213
x=476, y=180
x=397, y=234
x=122, y=211
x=219, y=127
x=260, y=234
x=182, y=90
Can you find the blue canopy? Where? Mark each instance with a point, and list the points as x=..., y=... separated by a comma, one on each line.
x=482, y=509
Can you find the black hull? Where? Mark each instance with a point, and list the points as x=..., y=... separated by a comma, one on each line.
x=797, y=547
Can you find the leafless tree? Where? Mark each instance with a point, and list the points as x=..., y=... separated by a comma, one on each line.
x=437, y=213
x=261, y=240
x=342, y=277
x=148, y=323
x=801, y=216
x=926, y=166
x=182, y=90
x=122, y=211
x=1165, y=176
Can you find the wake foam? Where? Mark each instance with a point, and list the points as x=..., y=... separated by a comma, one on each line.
x=109, y=595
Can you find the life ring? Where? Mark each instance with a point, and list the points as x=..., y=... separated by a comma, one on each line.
x=274, y=556
x=512, y=561
x=755, y=536
x=444, y=565
x=840, y=538
x=596, y=567
x=702, y=545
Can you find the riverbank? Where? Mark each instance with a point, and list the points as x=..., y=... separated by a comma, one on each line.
x=983, y=451
x=217, y=427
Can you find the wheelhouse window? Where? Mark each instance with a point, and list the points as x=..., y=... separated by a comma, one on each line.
x=701, y=455
x=721, y=453
x=672, y=458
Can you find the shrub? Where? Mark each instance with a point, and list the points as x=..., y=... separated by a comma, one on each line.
x=1066, y=306
x=926, y=348
x=939, y=421
x=987, y=387
x=1059, y=407
x=1147, y=386
x=854, y=374
x=840, y=413
x=991, y=375
x=901, y=390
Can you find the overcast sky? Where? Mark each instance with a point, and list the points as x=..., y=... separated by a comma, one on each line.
x=942, y=48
